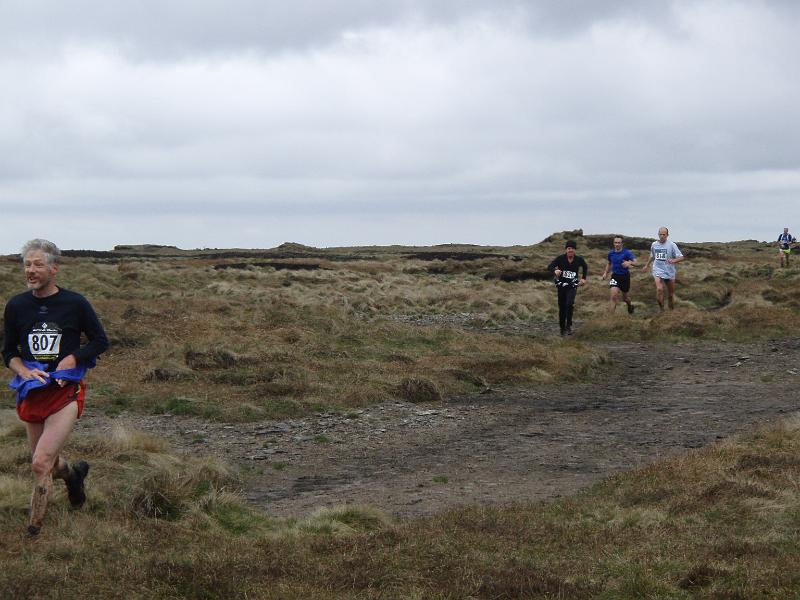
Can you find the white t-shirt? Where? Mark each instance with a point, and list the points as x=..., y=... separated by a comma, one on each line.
x=660, y=253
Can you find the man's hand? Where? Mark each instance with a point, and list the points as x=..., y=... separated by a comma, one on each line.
x=68, y=362
x=603, y=276
x=28, y=374
x=582, y=281
x=16, y=365
x=557, y=272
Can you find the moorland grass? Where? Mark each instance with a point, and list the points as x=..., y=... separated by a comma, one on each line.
x=240, y=341
x=719, y=522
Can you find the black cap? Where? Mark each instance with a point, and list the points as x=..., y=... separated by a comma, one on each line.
x=570, y=244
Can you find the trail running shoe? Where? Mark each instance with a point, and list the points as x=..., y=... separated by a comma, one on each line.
x=630, y=309
x=75, y=491
x=33, y=530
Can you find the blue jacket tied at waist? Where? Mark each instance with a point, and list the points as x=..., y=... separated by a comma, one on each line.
x=24, y=386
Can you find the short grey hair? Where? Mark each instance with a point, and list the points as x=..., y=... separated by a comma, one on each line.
x=52, y=255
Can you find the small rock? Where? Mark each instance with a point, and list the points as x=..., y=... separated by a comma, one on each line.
x=277, y=428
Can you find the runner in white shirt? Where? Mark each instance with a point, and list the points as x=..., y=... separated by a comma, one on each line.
x=664, y=255
x=785, y=242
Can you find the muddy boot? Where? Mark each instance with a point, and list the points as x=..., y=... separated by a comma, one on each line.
x=74, y=481
x=39, y=497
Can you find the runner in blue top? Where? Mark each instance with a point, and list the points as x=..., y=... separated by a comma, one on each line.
x=664, y=255
x=785, y=241
x=619, y=262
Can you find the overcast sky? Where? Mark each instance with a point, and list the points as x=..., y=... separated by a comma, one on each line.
x=247, y=123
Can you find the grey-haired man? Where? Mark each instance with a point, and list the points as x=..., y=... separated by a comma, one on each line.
x=42, y=345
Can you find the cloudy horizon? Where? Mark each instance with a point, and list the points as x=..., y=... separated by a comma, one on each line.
x=248, y=124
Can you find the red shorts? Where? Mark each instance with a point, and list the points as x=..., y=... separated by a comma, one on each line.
x=43, y=402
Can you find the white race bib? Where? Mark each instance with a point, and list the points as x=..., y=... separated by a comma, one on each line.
x=569, y=274
x=44, y=341
x=661, y=254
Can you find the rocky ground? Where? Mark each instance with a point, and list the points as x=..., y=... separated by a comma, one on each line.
x=502, y=445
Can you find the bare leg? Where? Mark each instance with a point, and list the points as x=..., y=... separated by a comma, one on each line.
x=671, y=292
x=626, y=297
x=47, y=439
x=39, y=498
x=614, y=292
x=660, y=292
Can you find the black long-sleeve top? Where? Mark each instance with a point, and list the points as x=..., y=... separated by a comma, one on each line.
x=48, y=329
x=569, y=270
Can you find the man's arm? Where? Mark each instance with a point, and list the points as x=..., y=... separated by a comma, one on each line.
x=553, y=266
x=98, y=341
x=605, y=273
x=631, y=260
x=10, y=349
x=679, y=257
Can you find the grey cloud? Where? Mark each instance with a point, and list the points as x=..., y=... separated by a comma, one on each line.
x=153, y=29
x=486, y=123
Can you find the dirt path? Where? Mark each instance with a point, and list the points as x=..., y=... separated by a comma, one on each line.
x=506, y=445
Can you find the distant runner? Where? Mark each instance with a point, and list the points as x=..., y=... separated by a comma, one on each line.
x=664, y=255
x=785, y=241
x=619, y=262
x=565, y=268
x=42, y=346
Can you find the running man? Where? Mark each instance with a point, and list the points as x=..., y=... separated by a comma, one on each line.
x=42, y=345
x=664, y=256
x=619, y=262
x=785, y=241
x=565, y=268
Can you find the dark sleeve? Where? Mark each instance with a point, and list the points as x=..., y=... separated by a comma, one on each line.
x=90, y=325
x=585, y=268
x=10, y=341
x=553, y=264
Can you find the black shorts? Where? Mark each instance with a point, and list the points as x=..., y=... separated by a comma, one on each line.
x=622, y=282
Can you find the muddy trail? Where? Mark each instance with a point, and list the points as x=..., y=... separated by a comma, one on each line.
x=503, y=445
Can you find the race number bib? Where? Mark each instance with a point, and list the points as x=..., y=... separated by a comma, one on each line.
x=661, y=254
x=569, y=274
x=44, y=341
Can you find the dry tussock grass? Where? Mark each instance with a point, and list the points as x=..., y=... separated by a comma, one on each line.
x=716, y=522
x=255, y=342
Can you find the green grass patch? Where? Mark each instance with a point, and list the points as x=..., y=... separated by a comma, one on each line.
x=719, y=522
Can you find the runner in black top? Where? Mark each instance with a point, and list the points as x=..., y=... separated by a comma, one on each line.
x=43, y=329
x=565, y=268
